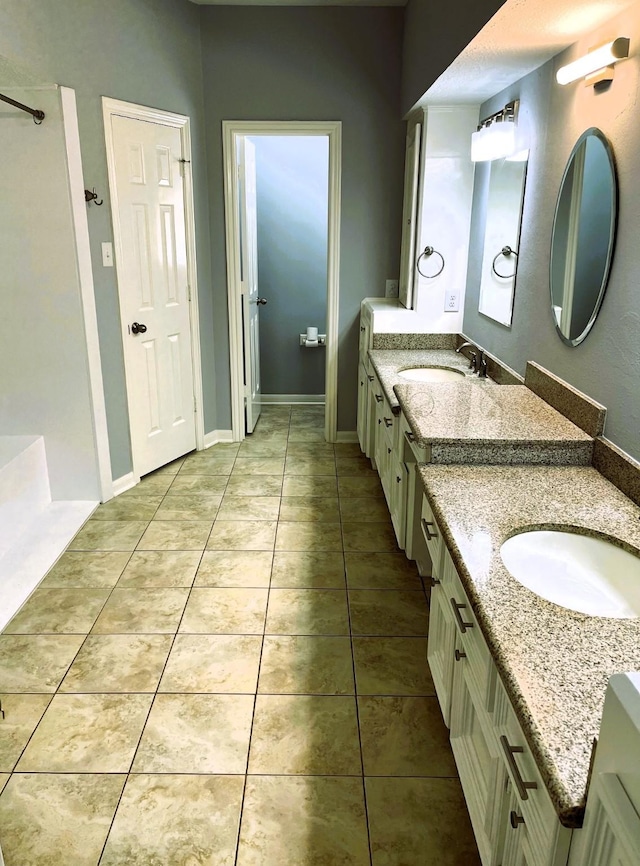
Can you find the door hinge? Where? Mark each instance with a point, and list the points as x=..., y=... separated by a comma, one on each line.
x=195, y=406
x=183, y=162
x=189, y=292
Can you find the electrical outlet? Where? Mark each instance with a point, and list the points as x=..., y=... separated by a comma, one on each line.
x=452, y=302
x=391, y=289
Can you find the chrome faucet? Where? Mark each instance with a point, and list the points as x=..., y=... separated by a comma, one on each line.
x=478, y=361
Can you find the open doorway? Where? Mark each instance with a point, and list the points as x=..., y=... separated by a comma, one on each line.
x=282, y=208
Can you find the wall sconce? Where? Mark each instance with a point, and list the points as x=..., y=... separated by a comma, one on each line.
x=600, y=60
x=495, y=137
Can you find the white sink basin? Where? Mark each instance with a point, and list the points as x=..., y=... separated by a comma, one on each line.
x=431, y=374
x=588, y=575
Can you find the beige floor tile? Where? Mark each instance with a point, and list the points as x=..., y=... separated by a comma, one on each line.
x=132, y=508
x=310, y=466
x=310, y=485
x=176, y=820
x=109, y=535
x=118, y=663
x=208, y=484
x=263, y=448
x=272, y=431
x=392, y=666
x=381, y=571
x=255, y=485
x=249, y=507
x=150, y=611
x=87, y=734
x=176, y=535
x=306, y=666
x=225, y=611
x=222, y=449
x=4, y=778
x=364, y=509
x=21, y=714
x=213, y=663
x=303, y=821
x=303, y=433
x=369, y=537
x=309, y=536
x=155, y=482
x=242, y=535
x=310, y=449
x=58, y=611
x=190, y=506
x=310, y=509
x=419, y=822
x=168, y=469
x=160, y=568
x=196, y=734
x=203, y=463
x=36, y=663
x=366, y=485
x=355, y=466
x=303, y=569
x=307, y=611
x=242, y=568
x=259, y=466
x=305, y=734
x=86, y=569
x=347, y=449
x=404, y=736
x=57, y=820
x=388, y=613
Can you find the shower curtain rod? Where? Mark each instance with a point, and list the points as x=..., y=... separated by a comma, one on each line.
x=38, y=116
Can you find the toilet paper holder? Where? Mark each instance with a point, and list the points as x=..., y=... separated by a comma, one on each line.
x=322, y=341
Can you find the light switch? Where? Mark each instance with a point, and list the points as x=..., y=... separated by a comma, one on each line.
x=107, y=255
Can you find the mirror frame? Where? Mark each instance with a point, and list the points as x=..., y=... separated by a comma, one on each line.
x=592, y=131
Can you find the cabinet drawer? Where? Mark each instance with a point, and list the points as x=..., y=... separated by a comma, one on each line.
x=432, y=536
x=548, y=840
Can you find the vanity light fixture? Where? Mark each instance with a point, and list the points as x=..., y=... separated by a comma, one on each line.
x=600, y=60
x=495, y=137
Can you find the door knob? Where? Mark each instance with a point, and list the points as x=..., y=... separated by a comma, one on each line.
x=261, y=301
x=138, y=328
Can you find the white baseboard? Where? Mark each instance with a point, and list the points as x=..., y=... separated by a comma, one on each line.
x=125, y=482
x=217, y=436
x=293, y=398
x=346, y=436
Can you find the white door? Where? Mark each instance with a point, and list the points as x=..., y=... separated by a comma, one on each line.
x=151, y=256
x=409, y=214
x=249, y=280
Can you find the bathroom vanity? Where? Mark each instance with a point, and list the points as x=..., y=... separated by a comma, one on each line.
x=465, y=464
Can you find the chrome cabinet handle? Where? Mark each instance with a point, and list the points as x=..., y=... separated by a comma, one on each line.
x=509, y=752
x=457, y=607
x=388, y=422
x=425, y=525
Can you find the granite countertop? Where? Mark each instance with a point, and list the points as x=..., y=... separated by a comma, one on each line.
x=388, y=362
x=464, y=423
x=554, y=663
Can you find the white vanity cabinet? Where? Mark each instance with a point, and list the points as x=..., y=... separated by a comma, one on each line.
x=513, y=818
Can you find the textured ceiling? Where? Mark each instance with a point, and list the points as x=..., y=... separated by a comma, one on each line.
x=522, y=35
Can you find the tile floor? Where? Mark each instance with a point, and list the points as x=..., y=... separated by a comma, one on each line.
x=227, y=666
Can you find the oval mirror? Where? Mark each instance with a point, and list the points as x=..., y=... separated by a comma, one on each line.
x=582, y=240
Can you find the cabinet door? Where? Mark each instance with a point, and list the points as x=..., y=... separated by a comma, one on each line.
x=441, y=647
x=399, y=484
x=515, y=850
x=363, y=406
x=478, y=761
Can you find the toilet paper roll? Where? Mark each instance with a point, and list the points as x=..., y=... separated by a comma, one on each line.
x=312, y=334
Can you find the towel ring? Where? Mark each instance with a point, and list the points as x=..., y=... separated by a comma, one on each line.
x=429, y=251
x=506, y=252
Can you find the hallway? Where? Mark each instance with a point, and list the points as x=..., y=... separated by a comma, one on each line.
x=228, y=666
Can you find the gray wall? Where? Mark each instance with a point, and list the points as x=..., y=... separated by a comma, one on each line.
x=434, y=35
x=607, y=365
x=144, y=51
x=292, y=198
x=312, y=63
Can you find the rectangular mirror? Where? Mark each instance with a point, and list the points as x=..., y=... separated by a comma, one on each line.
x=502, y=238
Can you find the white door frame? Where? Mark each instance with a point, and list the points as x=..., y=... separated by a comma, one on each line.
x=111, y=107
x=231, y=130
